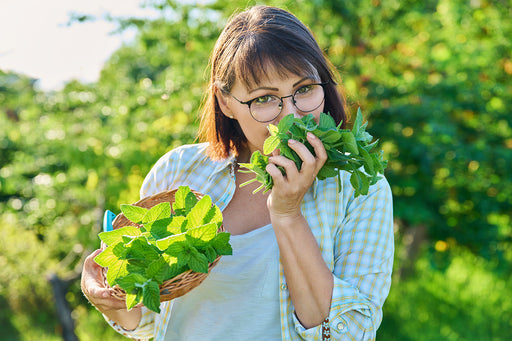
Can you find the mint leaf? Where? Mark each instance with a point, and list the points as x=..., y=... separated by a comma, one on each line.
x=221, y=244
x=200, y=236
x=133, y=297
x=326, y=121
x=178, y=248
x=157, y=212
x=285, y=124
x=196, y=216
x=197, y=262
x=347, y=150
x=138, y=260
x=127, y=283
x=116, y=270
x=210, y=253
x=270, y=144
x=115, y=236
x=164, y=243
x=184, y=200
x=107, y=257
x=133, y=213
x=272, y=129
x=158, y=270
x=140, y=249
x=151, y=296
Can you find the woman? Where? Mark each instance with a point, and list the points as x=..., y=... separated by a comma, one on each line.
x=308, y=261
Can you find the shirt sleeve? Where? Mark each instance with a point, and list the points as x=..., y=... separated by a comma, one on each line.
x=144, y=330
x=363, y=251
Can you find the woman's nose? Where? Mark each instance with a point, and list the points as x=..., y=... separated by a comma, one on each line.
x=289, y=108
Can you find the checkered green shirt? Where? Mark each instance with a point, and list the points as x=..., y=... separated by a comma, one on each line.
x=355, y=236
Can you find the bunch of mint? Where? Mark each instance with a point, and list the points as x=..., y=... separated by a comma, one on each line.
x=166, y=245
x=348, y=150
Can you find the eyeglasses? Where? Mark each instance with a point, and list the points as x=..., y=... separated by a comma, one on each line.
x=266, y=108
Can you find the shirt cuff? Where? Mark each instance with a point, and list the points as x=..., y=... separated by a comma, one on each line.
x=144, y=331
x=351, y=313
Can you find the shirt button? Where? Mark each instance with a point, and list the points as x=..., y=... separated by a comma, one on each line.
x=340, y=326
x=283, y=287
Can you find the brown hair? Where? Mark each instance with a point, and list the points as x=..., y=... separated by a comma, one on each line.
x=251, y=41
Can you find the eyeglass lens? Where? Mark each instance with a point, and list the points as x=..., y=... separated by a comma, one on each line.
x=306, y=98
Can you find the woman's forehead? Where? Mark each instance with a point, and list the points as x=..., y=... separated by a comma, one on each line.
x=271, y=73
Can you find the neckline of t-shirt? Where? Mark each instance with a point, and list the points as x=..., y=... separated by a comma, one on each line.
x=253, y=232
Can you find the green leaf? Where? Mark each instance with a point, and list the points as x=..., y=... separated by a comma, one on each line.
x=157, y=212
x=141, y=249
x=200, y=236
x=116, y=270
x=176, y=224
x=359, y=182
x=158, y=270
x=210, y=253
x=221, y=244
x=198, y=213
x=115, y=236
x=270, y=144
x=106, y=257
x=349, y=143
x=286, y=122
x=358, y=123
x=197, y=262
x=133, y=213
x=133, y=298
x=175, y=267
x=164, y=243
x=368, y=161
x=184, y=200
x=151, y=296
x=326, y=172
x=272, y=129
x=160, y=228
x=127, y=283
x=326, y=121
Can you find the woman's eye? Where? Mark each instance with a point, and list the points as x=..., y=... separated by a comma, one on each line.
x=304, y=89
x=263, y=99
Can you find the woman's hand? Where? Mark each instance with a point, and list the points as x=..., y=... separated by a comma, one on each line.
x=289, y=189
x=94, y=288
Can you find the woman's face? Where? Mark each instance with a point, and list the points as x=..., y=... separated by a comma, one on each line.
x=275, y=84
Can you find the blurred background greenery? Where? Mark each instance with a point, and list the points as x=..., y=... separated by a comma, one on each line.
x=433, y=79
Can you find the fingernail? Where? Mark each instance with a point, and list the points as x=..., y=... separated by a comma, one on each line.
x=311, y=135
x=290, y=141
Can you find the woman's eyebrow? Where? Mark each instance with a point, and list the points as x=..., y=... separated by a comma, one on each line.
x=276, y=89
x=263, y=88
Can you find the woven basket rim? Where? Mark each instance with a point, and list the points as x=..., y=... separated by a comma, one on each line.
x=180, y=284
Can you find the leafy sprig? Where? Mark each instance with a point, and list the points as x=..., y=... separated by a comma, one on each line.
x=348, y=150
x=166, y=245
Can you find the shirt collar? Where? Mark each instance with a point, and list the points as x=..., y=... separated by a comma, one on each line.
x=222, y=165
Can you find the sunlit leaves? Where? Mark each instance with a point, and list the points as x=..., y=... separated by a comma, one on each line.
x=139, y=261
x=347, y=150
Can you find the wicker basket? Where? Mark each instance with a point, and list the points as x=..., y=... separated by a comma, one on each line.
x=184, y=282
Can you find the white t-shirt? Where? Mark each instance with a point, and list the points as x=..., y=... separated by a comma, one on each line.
x=239, y=300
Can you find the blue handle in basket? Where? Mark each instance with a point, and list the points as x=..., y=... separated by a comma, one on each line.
x=108, y=218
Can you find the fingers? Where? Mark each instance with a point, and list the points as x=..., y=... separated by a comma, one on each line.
x=94, y=287
x=311, y=163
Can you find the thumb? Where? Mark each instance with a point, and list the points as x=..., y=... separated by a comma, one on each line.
x=92, y=283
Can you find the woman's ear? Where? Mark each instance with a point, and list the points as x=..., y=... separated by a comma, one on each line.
x=223, y=100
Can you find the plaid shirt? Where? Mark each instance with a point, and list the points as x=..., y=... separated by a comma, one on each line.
x=355, y=236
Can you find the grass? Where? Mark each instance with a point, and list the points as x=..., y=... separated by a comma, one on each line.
x=466, y=299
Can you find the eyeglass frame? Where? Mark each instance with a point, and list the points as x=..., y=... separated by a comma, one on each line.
x=249, y=102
